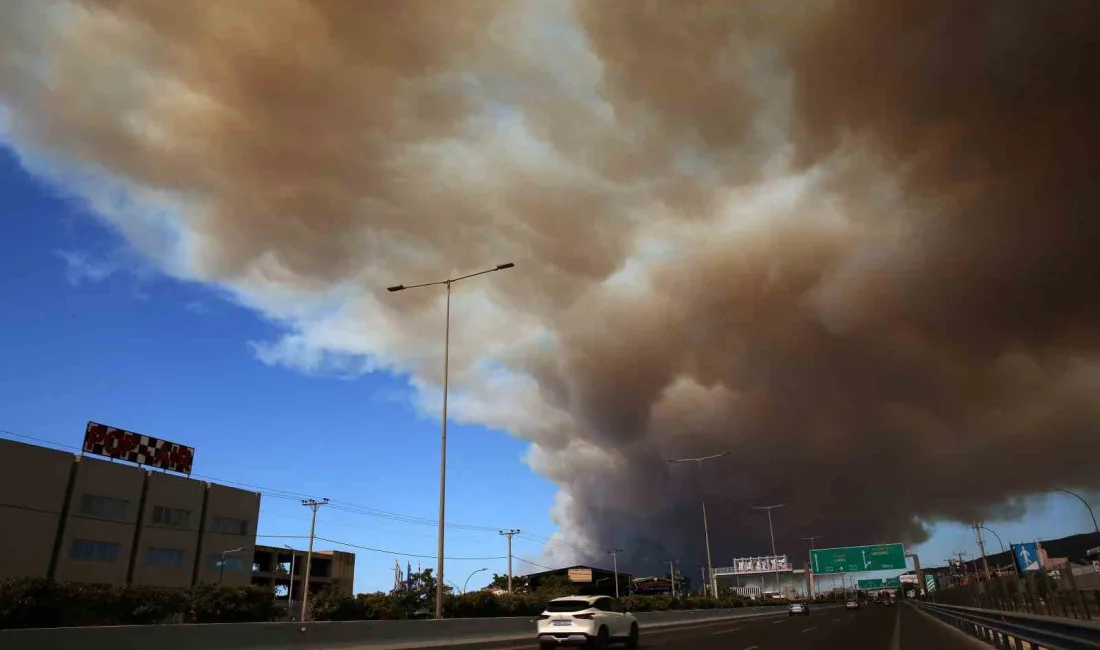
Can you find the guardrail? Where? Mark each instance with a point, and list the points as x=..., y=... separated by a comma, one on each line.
x=324, y=635
x=1010, y=629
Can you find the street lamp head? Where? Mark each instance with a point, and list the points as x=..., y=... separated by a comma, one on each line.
x=399, y=287
x=506, y=265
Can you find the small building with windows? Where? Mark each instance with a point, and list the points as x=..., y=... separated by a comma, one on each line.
x=83, y=519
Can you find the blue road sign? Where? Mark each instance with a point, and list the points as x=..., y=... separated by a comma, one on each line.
x=1027, y=556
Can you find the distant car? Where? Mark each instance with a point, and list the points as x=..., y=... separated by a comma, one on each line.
x=798, y=608
x=852, y=604
x=887, y=602
x=591, y=621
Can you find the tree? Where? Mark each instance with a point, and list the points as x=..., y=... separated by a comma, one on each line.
x=520, y=584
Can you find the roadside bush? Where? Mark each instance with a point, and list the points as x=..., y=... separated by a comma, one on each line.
x=43, y=603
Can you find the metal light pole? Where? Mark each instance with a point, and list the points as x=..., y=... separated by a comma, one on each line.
x=443, y=436
x=467, y=583
x=614, y=553
x=706, y=531
x=769, y=509
x=1082, y=500
x=221, y=566
x=290, y=589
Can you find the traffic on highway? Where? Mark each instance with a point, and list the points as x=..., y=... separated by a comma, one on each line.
x=824, y=627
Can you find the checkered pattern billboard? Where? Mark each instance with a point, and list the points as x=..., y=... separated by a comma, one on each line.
x=103, y=440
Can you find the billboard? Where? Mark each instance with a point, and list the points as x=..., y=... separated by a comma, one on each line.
x=112, y=442
x=580, y=575
x=763, y=564
x=1027, y=556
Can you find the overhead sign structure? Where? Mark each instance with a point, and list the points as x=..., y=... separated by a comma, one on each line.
x=1027, y=556
x=580, y=575
x=762, y=564
x=112, y=442
x=853, y=559
x=879, y=583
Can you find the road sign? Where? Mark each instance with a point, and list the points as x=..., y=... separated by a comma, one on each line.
x=893, y=582
x=853, y=559
x=1027, y=556
x=872, y=583
x=929, y=582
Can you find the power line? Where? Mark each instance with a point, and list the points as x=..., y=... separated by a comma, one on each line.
x=391, y=552
x=541, y=566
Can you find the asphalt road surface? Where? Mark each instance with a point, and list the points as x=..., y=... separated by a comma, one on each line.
x=874, y=627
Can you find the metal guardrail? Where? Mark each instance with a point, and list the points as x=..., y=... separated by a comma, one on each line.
x=1010, y=630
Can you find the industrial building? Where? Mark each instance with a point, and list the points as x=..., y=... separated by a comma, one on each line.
x=82, y=519
x=586, y=580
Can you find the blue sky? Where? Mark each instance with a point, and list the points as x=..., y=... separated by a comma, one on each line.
x=93, y=331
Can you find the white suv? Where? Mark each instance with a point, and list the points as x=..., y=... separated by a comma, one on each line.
x=593, y=621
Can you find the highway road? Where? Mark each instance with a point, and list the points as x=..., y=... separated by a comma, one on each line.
x=872, y=628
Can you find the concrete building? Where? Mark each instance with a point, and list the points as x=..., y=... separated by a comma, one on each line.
x=271, y=566
x=82, y=519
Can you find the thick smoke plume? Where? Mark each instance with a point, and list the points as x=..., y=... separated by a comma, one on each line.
x=854, y=243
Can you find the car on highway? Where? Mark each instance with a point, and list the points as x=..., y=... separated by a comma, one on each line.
x=852, y=604
x=589, y=621
x=798, y=607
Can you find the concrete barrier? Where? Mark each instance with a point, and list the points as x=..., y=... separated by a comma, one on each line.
x=316, y=636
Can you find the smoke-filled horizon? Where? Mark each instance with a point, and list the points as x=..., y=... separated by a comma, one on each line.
x=853, y=243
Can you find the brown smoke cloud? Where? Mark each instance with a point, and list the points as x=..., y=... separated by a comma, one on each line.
x=851, y=242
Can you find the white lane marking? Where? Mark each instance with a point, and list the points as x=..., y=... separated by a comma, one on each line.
x=895, y=640
x=809, y=629
x=778, y=622
x=726, y=631
x=836, y=620
x=752, y=647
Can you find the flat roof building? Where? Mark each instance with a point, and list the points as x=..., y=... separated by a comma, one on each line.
x=82, y=519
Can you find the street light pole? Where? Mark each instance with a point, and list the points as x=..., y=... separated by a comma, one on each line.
x=614, y=553
x=221, y=567
x=706, y=530
x=290, y=589
x=467, y=583
x=443, y=436
x=769, y=509
x=1082, y=500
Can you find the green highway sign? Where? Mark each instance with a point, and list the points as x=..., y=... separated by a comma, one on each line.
x=854, y=559
x=879, y=583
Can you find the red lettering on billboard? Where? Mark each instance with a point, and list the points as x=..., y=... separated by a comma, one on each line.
x=104, y=440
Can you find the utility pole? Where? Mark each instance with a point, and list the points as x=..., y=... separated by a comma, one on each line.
x=290, y=589
x=671, y=579
x=508, y=534
x=614, y=553
x=313, y=505
x=981, y=546
x=810, y=565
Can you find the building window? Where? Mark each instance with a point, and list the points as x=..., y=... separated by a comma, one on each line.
x=230, y=526
x=172, y=557
x=173, y=517
x=104, y=507
x=91, y=551
x=232, y=562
